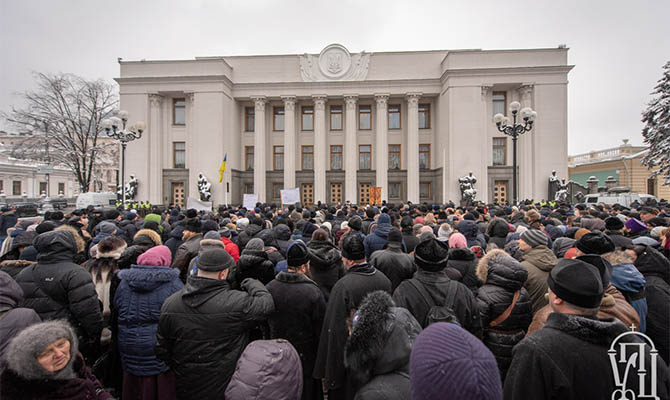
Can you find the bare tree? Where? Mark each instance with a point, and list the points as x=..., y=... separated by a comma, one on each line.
x=65, y=114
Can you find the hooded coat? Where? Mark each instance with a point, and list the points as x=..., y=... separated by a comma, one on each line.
x=325, y=262
x=14, y=267
x=503, y=276
x=497, y=231
x=185, y=254
x=175, y=239
x=13, y=319
x=143, y=240
x=282, y=236
x=378, y=350
x=631, y=284
x=565, y=358
x=250, y=232
x=56, y=288
x=377, y=240
x=472, y=234
x=538, y=261
x=394, y=263
x=656, y=270
x=461, y=266
x=254, y=264
x=204, y=328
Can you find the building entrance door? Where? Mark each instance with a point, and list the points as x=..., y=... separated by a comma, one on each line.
x=364, y=194
x=335, y=193
x=307, y=194
x=500, y=192
x=178, y=193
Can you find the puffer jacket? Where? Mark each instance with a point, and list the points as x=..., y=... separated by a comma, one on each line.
x=231, y=248
x=283, y=237
x=470, y=230
x=497, y=231
x=461, y=266
x=630, y=282
x=203, y=330
x=143, y=240
x=250, y=232
x=138, y=301
x=377, y=240
x=502, y=276
x=13, y=319
x=65, y=289
x=325, y=264
x=253, y=264
x=538, y=261
x=394, y=263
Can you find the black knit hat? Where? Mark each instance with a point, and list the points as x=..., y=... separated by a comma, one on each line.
x=613, y=224
x=214, y=260
x=431, y=255
x=595, y=243
x=576, y=282
x=297, y=254
x=355, y=223
x=353, y=247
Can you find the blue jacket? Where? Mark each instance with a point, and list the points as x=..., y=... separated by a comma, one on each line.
x=138, y=299
x=630, y=282
x=470, y=230
x=377, y=240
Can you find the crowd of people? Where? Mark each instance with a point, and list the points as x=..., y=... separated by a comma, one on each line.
x=400, y=301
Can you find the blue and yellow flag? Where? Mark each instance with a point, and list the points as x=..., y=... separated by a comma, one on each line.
x=222, y=168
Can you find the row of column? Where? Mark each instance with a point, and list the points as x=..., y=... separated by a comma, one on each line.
x=350, y=146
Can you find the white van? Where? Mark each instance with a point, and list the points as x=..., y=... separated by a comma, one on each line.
x=96, y=199
x=625, y=199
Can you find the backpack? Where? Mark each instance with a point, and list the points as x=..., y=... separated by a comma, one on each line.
x=438, y=313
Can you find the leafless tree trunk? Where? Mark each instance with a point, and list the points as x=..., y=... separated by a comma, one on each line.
x=65, y=114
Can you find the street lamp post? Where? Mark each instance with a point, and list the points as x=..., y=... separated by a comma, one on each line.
x=515, y=130
x=111, y=127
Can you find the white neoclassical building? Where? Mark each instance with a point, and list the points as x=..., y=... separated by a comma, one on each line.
x=335, y=123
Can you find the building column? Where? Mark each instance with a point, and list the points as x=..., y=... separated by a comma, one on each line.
x=155, y=170
x=290, y=148
x=350, y=151
x=382, y=159
x=320, y=151
x=259, y=147
x=413, y=194
x=526, y=163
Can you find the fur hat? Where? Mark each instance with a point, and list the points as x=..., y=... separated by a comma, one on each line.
x=431, y=255
x=595, y=243
x=215, y=259
x=353, y=247
x=534, y=238
x=45, y=226
x=297, y=254
x=111, y=247
x=613, y=224
x=192, y=225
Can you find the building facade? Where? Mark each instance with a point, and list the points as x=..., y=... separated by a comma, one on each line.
x=22, y=180
x=335, y=123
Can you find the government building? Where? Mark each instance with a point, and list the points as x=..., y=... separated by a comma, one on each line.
x=336, y=123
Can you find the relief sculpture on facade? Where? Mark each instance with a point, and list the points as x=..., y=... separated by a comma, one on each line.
x=334, y=63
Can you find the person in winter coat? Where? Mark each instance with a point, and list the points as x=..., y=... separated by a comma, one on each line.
x=14, y=267
x=470, y=230
x=430, y=257
x=138, y=300
x=8, y=219
x=13, y=319
x=630, y=283
x=209, y=241
x=23, y=240
x=378, y=350
x=377, y=240
x=128, y=227
x=103, y=229
x=254, y=263
x=656, y=271
x=56, y=288
x=228, y=244
x=143, y=240
x=408, y=237
x=614, y=229
x=175, y=238
x=447, y=362
x=222, y=318
x=267, y=370
x=189, y=248
x=251, y=231
x=43, y=362
x=462, y=263
x=325, y=262
x=346, y=296
x=393, y=261
x=497, y=232
x=282, y=234
x=80, y=256
x=574, y=340
x=538, y=261
x=504, y=305
x=299, y=312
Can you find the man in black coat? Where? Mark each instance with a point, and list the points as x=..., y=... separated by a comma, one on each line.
x=299, y=311
x=614, y=229
x=430, y=256
x=204, y=327
x=346, y=296
x=393, y=261
x=568, y=358
x=57, y=288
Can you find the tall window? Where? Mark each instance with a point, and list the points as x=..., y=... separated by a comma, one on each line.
x=499, y=103
x=43, y=188
x=335, y=118
x=307, y=120
x=365, y=156
x=278, y=158
x=336, y=157
x=394, y=190
x=16, y=188
x=2, y=185
x=424, y=116
x=364, y=117
x=424, y=190
x=179, y=154
x=394, y=156
x=499, y=151
x=61, y=188
x=278, y=118
x=394, y=116
x=276, y=191
x=424, y=156
x=179, y=111
x=249, y=158
x=308, y=158
x=249, y=119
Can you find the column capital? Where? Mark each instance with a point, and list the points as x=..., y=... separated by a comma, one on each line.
x=526, y=90
x=319, y=101
x=259, y=102
x=486, y=90
x=155, y=99
x=382, y=99
x=413, y=99
x=289, y=102
x=351, y=100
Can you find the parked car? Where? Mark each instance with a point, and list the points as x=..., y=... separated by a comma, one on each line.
x=50, y=204
x=26, y=209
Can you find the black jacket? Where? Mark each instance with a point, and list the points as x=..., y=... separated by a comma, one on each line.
x=204, y=328
x=437, y=284
x=497, y=231
x=253, y=264
x=465, y=262
x=283, y=237
x=503, y=276
x=129, y=256
x=409, y=239
x=620, y=241
x=325, y=262
x=394, y=263
x=12, y=318
x=66, y=290
x=568, y=359
x=250, y=232
x=129, y=229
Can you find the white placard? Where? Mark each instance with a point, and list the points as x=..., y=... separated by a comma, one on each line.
x=250, y=201
x=198, y=204
x=290, y=196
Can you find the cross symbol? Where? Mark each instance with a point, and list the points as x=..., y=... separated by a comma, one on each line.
x=632, y=327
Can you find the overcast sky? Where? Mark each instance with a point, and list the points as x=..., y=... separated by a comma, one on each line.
x=617, y=47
